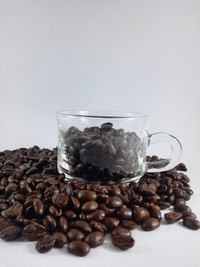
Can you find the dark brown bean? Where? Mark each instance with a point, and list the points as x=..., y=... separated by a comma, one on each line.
x=34, y=231
x=83, y=226
x=95, y=239
x=114, y=202
x=111, y=223
x=150, y=224
x=98, y=226
x=78, y=248
x=11, y=232
x=173, y=217
x=140, y=214
x=60, y=239
x=45, y=244
x=75, y=234
x=191, y=223
x=123, y=242
x=89, y=206
x=63, y=224
x=125, y=213
x=121, y=231
x=87, y=195
x=97, y=215
x=183, y=208
x=129, y=224
x=38, y=206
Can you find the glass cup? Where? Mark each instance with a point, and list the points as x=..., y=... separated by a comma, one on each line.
x=107, y=146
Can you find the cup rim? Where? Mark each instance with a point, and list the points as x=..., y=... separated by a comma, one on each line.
x=111, y=114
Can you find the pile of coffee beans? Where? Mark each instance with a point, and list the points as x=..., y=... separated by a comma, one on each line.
x=102, y=153
x=38, y=203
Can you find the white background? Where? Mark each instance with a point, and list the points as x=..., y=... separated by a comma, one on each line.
x=103, y=54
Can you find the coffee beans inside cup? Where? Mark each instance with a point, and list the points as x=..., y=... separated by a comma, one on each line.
x=101, y=153
x=38, y=203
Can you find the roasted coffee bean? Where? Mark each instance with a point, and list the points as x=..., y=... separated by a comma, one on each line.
x=38, y=206
x=87, y=195
x=183, y=208
x=181, y=167
x=129, y=224
x=89, y=206
x=75, y=234
x=140, y=214
x=150, y=224
x=191, y=223
x=50, y=223
x=78, y=248
x=70, y=214
x=63, y=224
x=163, y=204
x=60, y=239
x=125, y=213
x=34, y=231
x=75, y=204
x=111, y=223
x=83, y=226
x=60, y=200
x=11, y=232
x=97, y=215
x=173, y=217
x=121, y=231
x=98, y=226
x=95, y=239
x=114, y=202
x=155, y=211
x=5, y=223
x=45, y=244
x=54, y=211
x=123, y=242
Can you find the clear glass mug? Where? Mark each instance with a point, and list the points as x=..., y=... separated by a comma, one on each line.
x=109, y=146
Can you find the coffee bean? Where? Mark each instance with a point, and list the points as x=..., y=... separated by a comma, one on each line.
x=191, y=223
x=129, y=224
x=123, y=242
x=78, y=248
x=121, y=231
x=95, y=239
x=60, y=239
x=87, y=195
x=172, y=217
x=114, y=202
x=179, y=201
x=163, y=204
x=89, y=206
x=181, y=167
x=98, y=226
x=183, y=208
x=97, y=215
x=60, y=199
x=83, y=226
x=38, y=206
x=63, y=224
x=11, y=232
x=140, y=214
x=111, y=223
x=75, y=234
x=45, y=244
x=34, y=231
x=125, y=213
x=150, y=224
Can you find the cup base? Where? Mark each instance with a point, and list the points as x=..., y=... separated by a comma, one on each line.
x=105, y=181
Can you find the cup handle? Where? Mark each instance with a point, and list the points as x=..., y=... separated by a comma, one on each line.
x=172, y=160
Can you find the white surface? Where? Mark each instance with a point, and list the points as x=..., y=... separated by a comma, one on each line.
x=122, y=55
